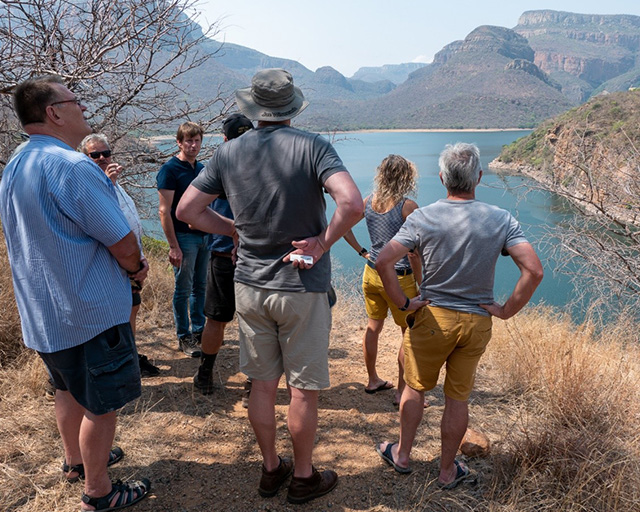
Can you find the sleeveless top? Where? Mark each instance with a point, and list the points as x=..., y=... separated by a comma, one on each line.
x=383, y=227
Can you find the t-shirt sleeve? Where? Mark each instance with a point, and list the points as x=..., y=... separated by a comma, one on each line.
x=407, y=235
x=208, y=180
x=327, y=161
x=89, y=199
x=165, y=179
x=515, y=235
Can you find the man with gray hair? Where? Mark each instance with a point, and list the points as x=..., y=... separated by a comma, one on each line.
x=274, y=178
x=459, y=240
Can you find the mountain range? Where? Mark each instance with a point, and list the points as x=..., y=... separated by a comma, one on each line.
x=495, y=78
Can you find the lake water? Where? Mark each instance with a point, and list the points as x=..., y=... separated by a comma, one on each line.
x=536, y=210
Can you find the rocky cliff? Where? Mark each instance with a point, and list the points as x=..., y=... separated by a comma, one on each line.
x=487, y=80
x=590, y=154
x=581, y=51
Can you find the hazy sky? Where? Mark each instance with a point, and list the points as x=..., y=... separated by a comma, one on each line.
x=349, y=34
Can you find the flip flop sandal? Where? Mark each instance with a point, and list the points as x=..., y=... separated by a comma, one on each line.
x=127, y=494
x=462, y=473
x=115, y=455
x=387, y=456
x=385, y=386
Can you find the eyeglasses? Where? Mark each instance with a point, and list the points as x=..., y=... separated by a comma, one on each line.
x=74, y=100
x=96, y=154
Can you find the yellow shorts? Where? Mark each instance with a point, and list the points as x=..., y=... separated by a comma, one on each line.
x=377, y=302
x=438, y=336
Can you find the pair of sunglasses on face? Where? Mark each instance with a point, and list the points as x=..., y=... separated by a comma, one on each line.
x=96, y=154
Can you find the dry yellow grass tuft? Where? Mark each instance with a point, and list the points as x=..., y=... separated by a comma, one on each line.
x=10, y=331
x=571, y=394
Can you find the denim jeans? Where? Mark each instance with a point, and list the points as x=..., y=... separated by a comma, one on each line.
x=191, y=282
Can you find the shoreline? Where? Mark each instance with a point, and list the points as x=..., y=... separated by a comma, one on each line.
x=435, y=130
x=155, y=138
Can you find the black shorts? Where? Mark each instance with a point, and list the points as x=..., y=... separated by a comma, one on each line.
x=136, y=300
x=220, y=298
x=102, y=374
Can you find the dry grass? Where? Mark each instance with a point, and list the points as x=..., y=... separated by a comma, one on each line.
x=158, y=290
x=10, y=332
x=571, y=397
x=559, y=402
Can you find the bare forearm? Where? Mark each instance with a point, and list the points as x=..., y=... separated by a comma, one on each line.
x=522, y=293
x=531, y=274
x=344, y=218
x=390, y=282
x=416, y=266
x=209, y=221
x=167, y=227
x=127, y=253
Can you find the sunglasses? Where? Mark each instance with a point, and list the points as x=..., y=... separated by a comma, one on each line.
x=96, y=154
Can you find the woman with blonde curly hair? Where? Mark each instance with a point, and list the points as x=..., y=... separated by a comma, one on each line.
x=385, y=210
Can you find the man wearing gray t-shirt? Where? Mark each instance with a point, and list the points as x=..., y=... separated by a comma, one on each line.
x=274, y=178
x=459, y=240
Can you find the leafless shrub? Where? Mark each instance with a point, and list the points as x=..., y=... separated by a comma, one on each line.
x=572, y=442
x=126, y=60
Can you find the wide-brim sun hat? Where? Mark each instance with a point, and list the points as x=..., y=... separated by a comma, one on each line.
x=271, y=97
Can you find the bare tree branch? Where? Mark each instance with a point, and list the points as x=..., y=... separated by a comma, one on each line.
x=127, y=60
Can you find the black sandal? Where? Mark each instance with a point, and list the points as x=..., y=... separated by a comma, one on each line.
x=127, y=494
x=115, y=455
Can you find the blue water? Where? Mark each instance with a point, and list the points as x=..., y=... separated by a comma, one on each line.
x=536, y=210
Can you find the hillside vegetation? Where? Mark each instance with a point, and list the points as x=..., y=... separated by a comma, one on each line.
x=591, y=157
x=602, y=136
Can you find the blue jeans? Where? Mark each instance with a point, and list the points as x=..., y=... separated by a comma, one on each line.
x=191, y=283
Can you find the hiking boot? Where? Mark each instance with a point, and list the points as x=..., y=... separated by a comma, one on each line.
x=203, y=380
x=271, y=481
x=318, y=484
x=246, y=393
x=189, y=345
x=146, y=368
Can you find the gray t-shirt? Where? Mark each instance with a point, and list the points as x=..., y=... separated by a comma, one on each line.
x=273, y=178
x=459, y=242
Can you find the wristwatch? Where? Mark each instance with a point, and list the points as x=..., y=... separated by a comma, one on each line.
x=363, y=251
x=406, y=305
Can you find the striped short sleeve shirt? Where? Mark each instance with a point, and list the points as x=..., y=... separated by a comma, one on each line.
x=59, y=213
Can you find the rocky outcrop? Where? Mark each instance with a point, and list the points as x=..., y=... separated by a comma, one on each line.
x=588, y=155
x=594, y=71
x=592, y=48
x=532, y=69
x=328, y=75
x=489, y=39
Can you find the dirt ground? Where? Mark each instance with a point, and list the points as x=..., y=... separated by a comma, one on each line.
x=200, y=452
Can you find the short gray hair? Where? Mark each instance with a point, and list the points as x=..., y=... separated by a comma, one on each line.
x=93, y=137
x=460, y=167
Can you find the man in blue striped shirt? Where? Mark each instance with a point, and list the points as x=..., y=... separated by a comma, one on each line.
x=70, y=250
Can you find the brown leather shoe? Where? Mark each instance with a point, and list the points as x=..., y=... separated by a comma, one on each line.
x=272, y=480
x=318, y=484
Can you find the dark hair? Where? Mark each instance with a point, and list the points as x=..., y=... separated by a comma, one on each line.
x=32, y=97
x=188, y=130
